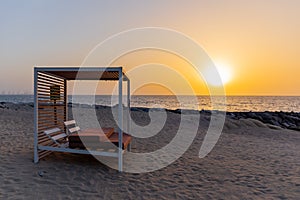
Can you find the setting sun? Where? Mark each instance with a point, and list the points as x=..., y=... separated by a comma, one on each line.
x=221, y=69
x=225, y=72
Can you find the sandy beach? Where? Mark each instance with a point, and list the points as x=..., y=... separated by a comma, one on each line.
x=250, y=161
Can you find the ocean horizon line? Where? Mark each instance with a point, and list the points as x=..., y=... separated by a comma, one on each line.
x=204, y=95
x=201, y=102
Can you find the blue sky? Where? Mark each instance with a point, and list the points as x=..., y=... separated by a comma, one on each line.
x=62, y=32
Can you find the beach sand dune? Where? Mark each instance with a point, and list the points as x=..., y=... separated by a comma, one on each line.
x=250, y=161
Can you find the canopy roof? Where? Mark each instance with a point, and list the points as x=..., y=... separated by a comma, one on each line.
x=84, y=73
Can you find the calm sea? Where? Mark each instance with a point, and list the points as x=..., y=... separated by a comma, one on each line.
x=234, y=103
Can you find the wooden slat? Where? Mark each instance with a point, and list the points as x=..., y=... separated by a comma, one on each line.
x=51, y=106
x=46, y=93
x=51, y=112
x=43, y=128
x=46, y=84
x=50, y=120
x=46, y=96
x=45, y=141
x=46, y=79
x=46, y=119
x=47, y=112
x=49, y=83
x=43, y=87
x=59, y=125
x=42, y=136
x=50, y=101
x=43, y=98
x=43, y=90
x=47, y=89
x=50, y=109
x=50, y=76
x=42, y=84
x=49, y=143
x=49, y=126
x=47, y=103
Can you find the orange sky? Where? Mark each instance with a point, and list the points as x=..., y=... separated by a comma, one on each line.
x=258, y=40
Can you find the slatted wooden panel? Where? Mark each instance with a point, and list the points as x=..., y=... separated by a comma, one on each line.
x=51, y=94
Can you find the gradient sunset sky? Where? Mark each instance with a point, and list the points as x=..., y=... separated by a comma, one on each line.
x=258, y=41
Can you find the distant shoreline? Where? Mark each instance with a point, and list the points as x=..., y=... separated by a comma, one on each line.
x=202, y=95
x=277, y=119
x=232, y=103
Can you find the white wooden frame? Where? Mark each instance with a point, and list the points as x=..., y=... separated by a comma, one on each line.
x=46, y=148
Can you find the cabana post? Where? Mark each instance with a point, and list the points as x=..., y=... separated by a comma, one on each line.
x=128, y=112
x=36, y=156
x=120, y=118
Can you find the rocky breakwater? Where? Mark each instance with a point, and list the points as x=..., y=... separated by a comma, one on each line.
x=16, y=106
x=287, y=120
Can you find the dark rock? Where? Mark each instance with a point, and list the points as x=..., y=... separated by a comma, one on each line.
x=252, y=115
x=266, y=116
x=286, y=125
x=231, y=115
x=274, y=122
x=278, y=119
x=205, y=112
x=157, y=109
x=195, y=112
x=139, y=109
